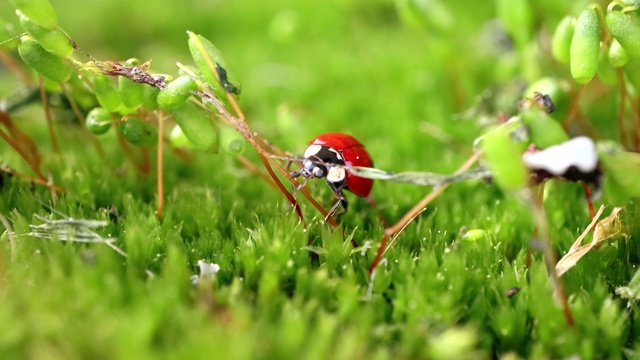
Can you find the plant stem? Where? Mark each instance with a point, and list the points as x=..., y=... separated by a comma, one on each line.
x=535, y=203
x=47, y=115
x=397, y=228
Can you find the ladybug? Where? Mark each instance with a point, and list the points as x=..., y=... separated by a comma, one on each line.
x=327, y=150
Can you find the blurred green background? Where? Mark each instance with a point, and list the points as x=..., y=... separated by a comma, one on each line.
x=381, y=70
x=412, y=80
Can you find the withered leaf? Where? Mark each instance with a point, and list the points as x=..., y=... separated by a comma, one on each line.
x=604, y=229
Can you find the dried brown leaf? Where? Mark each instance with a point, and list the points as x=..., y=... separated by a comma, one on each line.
x=604, y=229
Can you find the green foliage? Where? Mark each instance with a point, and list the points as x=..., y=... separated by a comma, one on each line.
x=626, y=31
x=132, y=92
x=585, y=47
x=196, y=125
x=562, y=36
x=38, y=11
x=505, y=156
x=543, y=130
x=212, y=66
x=176, y=93
x=517, y=18
x=48, y=64
x=108, y=96
x=231, y=141
x=137, y=131
x=98, y=121
x=463, y=281
x=622, y=170
x=617, y=55
x=54, y=41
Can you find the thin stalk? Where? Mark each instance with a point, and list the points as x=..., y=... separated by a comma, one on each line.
x=540, y=218
x=621, y=107
x=47, y=115
x=159, y=169
x=417, y=209
x=573, y=109
x=45, y=182
x=80, y=117
x=19, y=150
x=240, y=125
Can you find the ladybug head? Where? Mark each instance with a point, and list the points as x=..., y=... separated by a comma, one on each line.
x=318, y=163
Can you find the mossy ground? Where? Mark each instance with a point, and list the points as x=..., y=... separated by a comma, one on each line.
x=306, y=68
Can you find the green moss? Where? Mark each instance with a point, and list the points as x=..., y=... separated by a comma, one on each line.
x=281, y=291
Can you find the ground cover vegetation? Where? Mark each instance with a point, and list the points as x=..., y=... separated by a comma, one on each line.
x=148, y=208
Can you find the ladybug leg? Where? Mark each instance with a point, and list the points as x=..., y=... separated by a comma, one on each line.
x=342, y=199
x=296, y=174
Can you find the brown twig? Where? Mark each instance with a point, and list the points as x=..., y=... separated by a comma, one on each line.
x=47, y=115
x=159, y=165
x=45, y=182
x=621, y=107
x=19, y=150
x=417, y=209
x=535, y=203
x=241, y=126
x=573, y=109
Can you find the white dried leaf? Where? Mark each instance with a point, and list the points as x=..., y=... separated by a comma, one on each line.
x=579, y=152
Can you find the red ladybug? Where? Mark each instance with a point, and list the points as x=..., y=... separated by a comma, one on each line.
x=330, y=149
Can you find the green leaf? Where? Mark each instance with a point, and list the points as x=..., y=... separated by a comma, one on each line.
x=231, y=141
x=544, y=131
x=52, y=40
x=211, y=64
x=196, y=123
x=585, y=47
x=561, y=41
x=621, y=172
x=626, y=31
x=39, y=11
x=49, y=65
x=504, y=155
x=138, y=132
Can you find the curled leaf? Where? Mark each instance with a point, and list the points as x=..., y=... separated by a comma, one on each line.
x=604, y=229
